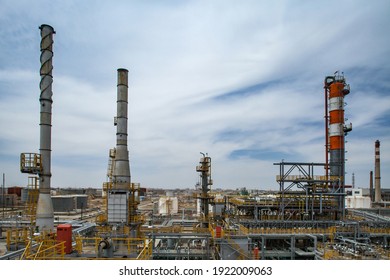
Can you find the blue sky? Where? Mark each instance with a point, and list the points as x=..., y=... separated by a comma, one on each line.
x=239, y=80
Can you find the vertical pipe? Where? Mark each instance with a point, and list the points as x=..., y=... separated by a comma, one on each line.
x=121, y=174
x=45, y=216
x=326, y=134
x=378, y=197
x=292, y=246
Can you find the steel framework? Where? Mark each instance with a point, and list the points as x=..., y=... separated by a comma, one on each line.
x=319, y=195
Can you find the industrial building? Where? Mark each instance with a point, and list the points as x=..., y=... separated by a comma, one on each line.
x=314, y=215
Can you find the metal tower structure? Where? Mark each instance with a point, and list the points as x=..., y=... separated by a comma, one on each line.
x=204, y=168
x=305, y=193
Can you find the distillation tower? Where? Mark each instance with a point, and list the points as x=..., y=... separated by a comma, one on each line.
x=336, y=89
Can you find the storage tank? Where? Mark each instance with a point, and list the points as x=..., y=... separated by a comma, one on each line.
x=63, y=203
x=81, y=201
x=24, y=195
x=168, y=205
x=356, y=200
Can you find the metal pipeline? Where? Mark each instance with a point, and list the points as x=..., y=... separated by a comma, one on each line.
x=105, y=248
x=44, y=215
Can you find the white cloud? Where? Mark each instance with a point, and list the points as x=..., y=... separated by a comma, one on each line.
x=181, y=57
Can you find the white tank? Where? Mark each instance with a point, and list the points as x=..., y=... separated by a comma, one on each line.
x=168, y=205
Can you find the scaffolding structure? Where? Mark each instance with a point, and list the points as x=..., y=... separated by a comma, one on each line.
x=320, y=195
x=204, y=168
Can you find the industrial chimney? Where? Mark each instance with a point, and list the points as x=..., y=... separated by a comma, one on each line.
x=121, y=172
x=44, y=215
x=118, y=195
x=377, y=172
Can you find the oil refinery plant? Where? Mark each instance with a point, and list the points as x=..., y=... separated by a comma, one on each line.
x=313, y=215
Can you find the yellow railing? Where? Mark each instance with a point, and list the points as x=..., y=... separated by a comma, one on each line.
x=131, y=245
x=146, y=252
x=328, y=231
x=376, y=230
x=241, y=253
x=17, y=236
x=30, y=163
x=47, y=249
x=243, y=230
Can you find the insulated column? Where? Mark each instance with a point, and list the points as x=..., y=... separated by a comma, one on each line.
x=336, y=89
x=336, y=130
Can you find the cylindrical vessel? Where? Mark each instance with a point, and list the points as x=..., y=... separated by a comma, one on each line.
x=336, y=130
x=45, y=216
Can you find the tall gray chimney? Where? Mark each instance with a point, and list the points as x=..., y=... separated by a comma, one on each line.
x=121, y=172
x=44, y=215
x=118, y=196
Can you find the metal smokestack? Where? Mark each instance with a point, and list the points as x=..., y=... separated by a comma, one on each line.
x=377, y=172
x=44, y=215
x=119, y=207
x=121, y=173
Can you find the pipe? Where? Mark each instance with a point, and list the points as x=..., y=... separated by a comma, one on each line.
x=44, y=215
x=327, y=82
x=121, y=174
x=106, y=245
x=378, y=197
